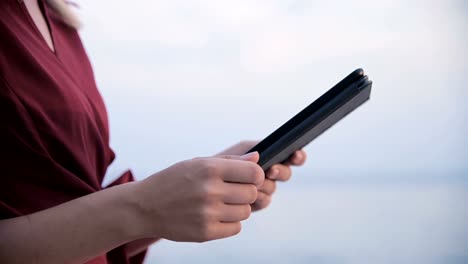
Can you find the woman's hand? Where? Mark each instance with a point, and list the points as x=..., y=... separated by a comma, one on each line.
x=278, y=172
x=195, y=200
x=200, y=199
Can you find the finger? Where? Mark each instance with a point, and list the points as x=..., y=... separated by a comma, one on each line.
x=297, y=159
x=238, y=171
x=248, y=143
x=268, y=187
x=272, y=173
x=252, y=156
x=284, y=172
x=238, y=193
x=263, y=200
x=227, y=229
x=235, y=213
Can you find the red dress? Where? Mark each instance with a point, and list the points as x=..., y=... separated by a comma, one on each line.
x=54, y=133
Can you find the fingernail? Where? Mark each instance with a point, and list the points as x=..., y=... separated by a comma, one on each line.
x=248, y=155
x=298, y=157
x=273, y=174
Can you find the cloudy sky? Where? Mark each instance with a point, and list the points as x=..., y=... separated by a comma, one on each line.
x=187, y=78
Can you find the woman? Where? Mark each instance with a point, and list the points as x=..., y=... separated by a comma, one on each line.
x=54, y=152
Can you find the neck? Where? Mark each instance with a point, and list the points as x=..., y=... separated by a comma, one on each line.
x=62, y=8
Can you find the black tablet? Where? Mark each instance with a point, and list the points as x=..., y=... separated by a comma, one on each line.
x=331, y=107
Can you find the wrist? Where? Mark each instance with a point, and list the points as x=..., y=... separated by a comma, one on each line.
x=131, y=218
x=145, y=212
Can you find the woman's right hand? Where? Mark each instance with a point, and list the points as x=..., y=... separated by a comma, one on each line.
x=200, y=199
x=195, y=200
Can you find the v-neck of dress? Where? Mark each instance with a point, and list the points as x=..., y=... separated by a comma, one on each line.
x=45, y=14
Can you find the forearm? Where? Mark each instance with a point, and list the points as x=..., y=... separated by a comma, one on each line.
x=73, y=232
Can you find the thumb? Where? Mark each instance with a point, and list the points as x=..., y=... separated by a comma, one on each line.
x=252, y=156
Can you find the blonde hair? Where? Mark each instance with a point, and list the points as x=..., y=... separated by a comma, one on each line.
x=63, y=9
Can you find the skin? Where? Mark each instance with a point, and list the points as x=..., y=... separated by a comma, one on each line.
x=41, y=24
x=195, y=200
x=278, y=172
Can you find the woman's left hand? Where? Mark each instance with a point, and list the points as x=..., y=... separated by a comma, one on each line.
x=277, y=172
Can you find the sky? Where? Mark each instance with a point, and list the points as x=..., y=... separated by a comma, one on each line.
x=189, y=78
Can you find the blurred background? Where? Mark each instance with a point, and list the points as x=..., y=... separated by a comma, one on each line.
x=388, y=184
